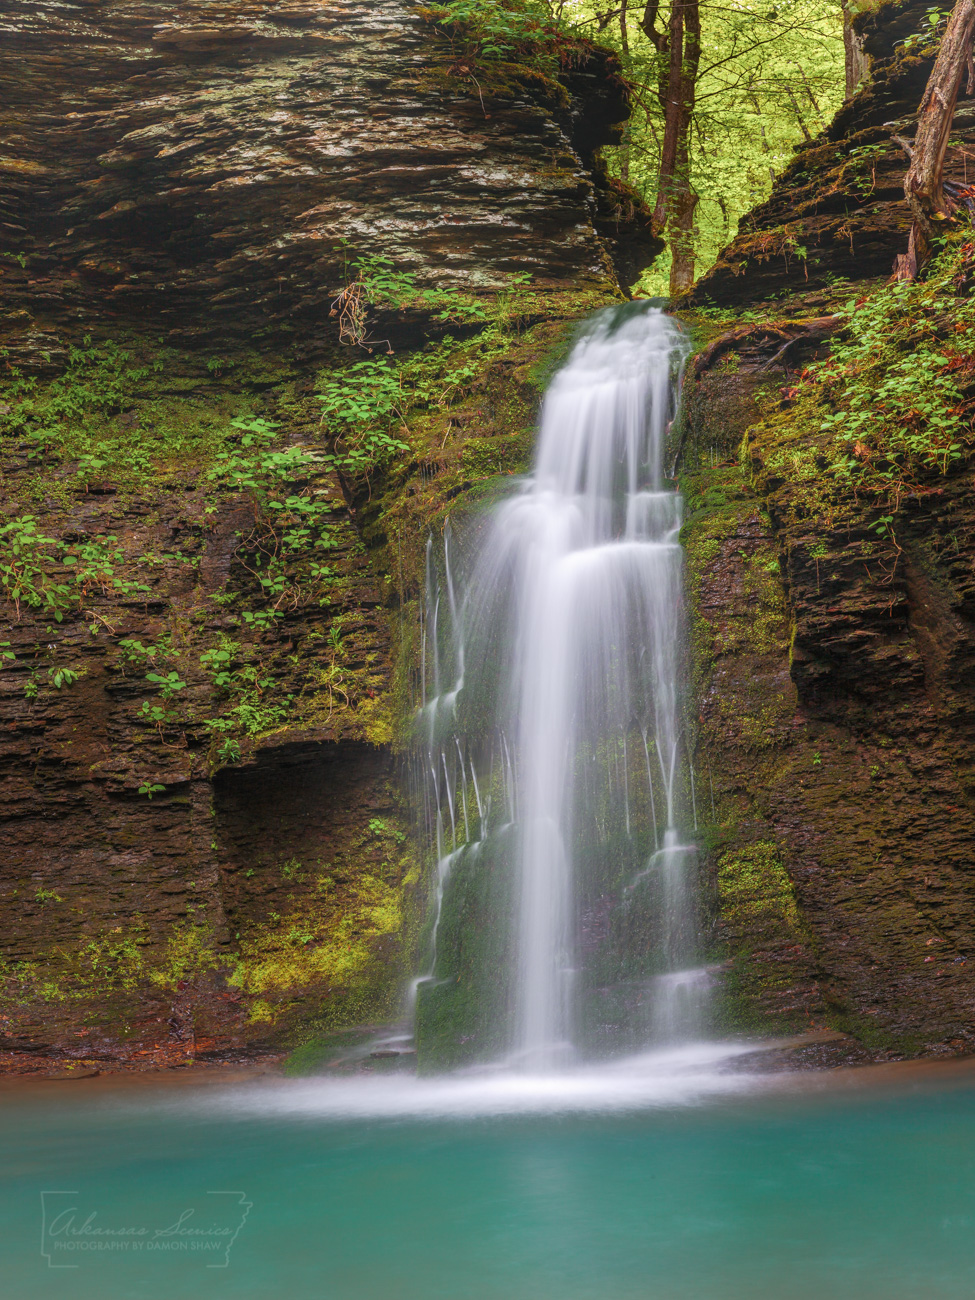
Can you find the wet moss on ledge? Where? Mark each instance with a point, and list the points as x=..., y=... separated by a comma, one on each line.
x=831, y=614
x=759, y=921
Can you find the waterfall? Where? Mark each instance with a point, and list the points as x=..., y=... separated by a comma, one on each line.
x=557, y=692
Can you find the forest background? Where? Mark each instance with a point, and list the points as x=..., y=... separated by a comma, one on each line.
x=722, y=90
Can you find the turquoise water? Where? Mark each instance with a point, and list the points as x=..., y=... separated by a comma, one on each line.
x=359, y=1191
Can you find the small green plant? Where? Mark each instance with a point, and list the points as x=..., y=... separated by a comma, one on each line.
x=260, y=619
x=94, y=563
x=169, y=683
x=151, y=789
x=256, y=465
x=292, y=521
x=380, y=827
x=218, y=662
x=155, y=714
x=89, y=465
x=25, y=560
x=243, y=685
x=61, y=677
x=928, y=33
x=33, y=565
x=373, y=280
x=889, y=408
x=48, y=896
x=133, y=651
x=883, y=526
x=359, y=406
x=866, y=156
x=897, y=405
x=499, y=31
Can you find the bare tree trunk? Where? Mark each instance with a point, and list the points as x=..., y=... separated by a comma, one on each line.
x=806, y=134
x=682, y=250
x=857, y=63
x=924, y=183
x=675, y=204
x=625, y=47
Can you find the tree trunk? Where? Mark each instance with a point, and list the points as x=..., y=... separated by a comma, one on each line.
x=681, y=232
x=685, y=54
x=675, y=204
x=625, y=48
x=924, y=183
x=857, y=63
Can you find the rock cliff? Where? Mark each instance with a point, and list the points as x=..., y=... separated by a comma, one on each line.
x=217, y=171
x=834, y=618
x=838, y=211
x=210, y=591
x=206, y=587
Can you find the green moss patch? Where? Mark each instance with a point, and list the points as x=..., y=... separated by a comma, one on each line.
x=756, y=894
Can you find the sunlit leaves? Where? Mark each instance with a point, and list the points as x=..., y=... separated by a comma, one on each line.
x=769, y=78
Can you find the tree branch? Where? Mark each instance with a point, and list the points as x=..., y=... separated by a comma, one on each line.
x=924, y=183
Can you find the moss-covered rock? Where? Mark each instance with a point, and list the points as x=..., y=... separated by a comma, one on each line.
x=831, y=622
x=837, y=211
x=210, y=594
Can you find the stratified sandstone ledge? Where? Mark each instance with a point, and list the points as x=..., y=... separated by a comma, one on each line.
x=216, y=177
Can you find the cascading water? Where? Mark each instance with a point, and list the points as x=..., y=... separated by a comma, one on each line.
x=557, y=779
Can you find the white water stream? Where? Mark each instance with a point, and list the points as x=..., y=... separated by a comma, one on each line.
x=563, y=647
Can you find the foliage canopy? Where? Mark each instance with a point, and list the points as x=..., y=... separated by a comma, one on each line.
x=759, y=76
x=770, y=76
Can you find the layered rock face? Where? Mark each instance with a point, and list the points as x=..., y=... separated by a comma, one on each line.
x=836, y=728
x=190, y=187
x=204, y=849
x=219, y=168
x=835, y=634
x=144, y=849
x=838, y=210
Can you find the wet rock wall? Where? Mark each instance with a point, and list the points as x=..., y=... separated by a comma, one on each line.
x=220, y=170
x=206, y=854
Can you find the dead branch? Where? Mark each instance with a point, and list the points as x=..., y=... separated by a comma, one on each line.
x=930, y=200
x=351, y=305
